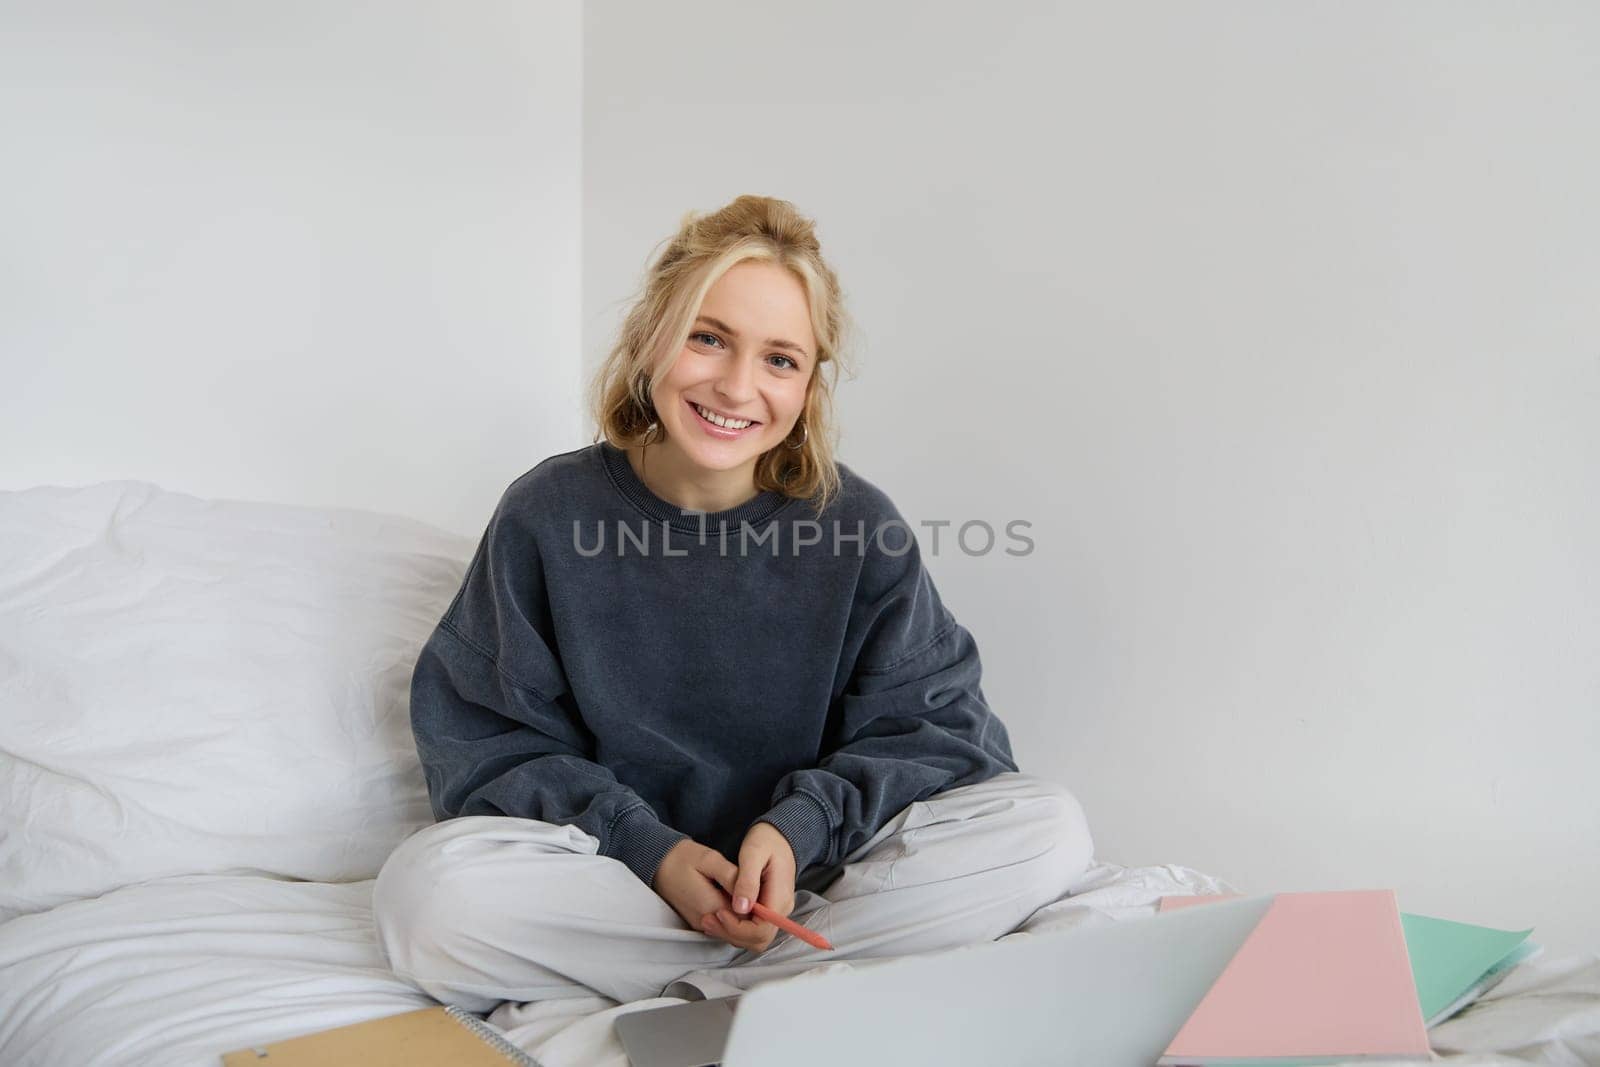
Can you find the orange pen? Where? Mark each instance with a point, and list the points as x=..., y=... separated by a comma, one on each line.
x=766, y=914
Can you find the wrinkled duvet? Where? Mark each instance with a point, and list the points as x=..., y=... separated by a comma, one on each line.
x=176, y=971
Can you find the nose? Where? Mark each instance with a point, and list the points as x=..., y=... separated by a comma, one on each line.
x=737, y=381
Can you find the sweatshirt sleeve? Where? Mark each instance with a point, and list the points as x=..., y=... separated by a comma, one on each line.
x=497, y=730
x=911, y=722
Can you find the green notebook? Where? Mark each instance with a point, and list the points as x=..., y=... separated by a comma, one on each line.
x=1454, y=963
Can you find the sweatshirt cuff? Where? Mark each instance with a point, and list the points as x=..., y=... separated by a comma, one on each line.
x=804, y=823
x=641, y=841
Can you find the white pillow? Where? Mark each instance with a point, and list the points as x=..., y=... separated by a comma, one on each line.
x=195, y=686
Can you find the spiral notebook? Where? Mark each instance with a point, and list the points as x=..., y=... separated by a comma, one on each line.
x=426, y=1037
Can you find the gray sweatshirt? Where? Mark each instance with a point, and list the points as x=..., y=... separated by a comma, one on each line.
x=615, y=663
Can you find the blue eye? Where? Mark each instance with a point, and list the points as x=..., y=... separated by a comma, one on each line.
x=793, y=365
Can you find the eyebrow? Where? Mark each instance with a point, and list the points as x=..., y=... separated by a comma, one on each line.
x=776, y=342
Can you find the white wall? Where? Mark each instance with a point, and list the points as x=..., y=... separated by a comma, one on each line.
x=320, y=253
x=1278, y=322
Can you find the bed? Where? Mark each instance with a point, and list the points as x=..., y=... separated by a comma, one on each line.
x=205, y=757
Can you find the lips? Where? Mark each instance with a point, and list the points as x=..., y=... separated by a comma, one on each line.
x=696, y=409
x=718, y=433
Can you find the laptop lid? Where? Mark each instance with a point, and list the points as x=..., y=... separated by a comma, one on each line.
x=678, y=1035
x=1108, y=995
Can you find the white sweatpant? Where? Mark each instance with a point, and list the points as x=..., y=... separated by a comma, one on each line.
x=483, y=909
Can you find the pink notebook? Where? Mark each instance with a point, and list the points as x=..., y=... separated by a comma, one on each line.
x=1324, y=977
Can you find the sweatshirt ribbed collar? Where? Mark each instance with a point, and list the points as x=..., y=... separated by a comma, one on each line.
x=756, y=510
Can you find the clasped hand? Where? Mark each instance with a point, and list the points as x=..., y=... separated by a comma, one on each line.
x=706, y=890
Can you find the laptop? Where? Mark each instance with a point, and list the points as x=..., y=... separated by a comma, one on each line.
x=1105, y=996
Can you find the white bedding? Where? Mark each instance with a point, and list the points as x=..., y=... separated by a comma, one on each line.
x=176, y=971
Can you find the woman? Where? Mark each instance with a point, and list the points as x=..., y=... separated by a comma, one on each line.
x=700, y=663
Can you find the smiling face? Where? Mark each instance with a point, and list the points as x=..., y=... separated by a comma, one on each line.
x=748, y=358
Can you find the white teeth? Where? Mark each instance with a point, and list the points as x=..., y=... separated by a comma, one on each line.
x=728, y=424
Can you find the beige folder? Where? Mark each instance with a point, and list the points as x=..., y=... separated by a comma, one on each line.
x=426, y=1037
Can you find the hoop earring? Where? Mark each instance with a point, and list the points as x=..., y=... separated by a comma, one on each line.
x=804, y=433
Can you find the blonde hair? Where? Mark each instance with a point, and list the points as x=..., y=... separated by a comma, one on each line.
x=656, y=327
